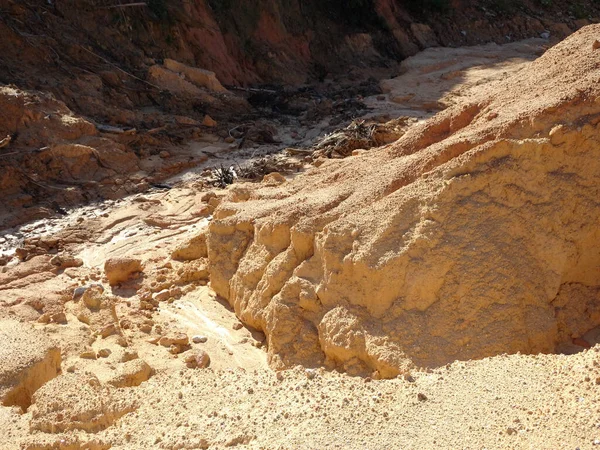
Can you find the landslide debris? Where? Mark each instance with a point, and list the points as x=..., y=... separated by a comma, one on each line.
x=474, y=234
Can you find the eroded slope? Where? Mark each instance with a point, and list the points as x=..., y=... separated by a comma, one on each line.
x=474, y=234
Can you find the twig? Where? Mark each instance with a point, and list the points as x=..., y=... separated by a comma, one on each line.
x=4, y=142
x=236, y=88
x=118, y=68
x=126, y=5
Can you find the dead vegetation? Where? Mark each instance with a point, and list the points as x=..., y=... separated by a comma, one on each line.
x=362, y=134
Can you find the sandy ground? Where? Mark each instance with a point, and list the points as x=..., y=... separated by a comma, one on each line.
x=507, y=401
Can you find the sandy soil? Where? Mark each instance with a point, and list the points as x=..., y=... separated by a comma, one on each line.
x=106, y=397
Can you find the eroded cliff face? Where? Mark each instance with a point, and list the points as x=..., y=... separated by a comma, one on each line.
x=270, y=41
x=475, y=234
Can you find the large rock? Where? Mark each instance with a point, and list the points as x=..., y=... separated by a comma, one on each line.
x=475, y=234
x=28, y=359
x=118, y=270
x=199, y=77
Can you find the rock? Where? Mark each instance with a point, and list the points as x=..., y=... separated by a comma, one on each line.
x=65, y=261
x=193, y=249
x=88, y=354
x=118, y=270
x=237, y=326
x=28, y=360
x=164, y=154
x=230, y=140
x=197, y=359
x=76, y=402
x=108, y=330
x=131, y=373
x=162, y=296
x=199, y=339
x=171, y=81
x=79, y=291
x=421, y=397
x=174, y=339
x=175, y=349
x=92, y=296
x=209, y=121
x=596, y=44
x=199, y=77
x=104, y=353
x=457, y=197
x=319, y=162
x=129, y=355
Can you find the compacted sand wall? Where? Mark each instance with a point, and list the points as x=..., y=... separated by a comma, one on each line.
x=475, y=234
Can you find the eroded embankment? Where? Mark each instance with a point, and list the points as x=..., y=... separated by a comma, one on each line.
x=473, y=235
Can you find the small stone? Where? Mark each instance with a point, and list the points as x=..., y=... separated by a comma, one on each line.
x=319, y=162
x=129, y=355
x=279, y=376
x=59, y=317
x=511, y=431
x=175, y=349
x=79, y=291
x=164, y=154
x=596, y=44
x=88, y=354
x=422, y=397
x=310, y=374
x=104, y=353
x=162, y=296
x=237, y=326
x=174, y=339
x=199, y=339
x=381, y=98
x=108, y=330
x=209, y=121
x=230, y=140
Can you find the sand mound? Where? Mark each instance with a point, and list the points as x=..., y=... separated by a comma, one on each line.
x=475, y=234
x=76, y=402
x=29, y=359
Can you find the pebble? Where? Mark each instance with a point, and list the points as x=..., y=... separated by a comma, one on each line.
x=104, y=353
x=162, y=296
x=199, y=339
x=237, y=326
